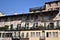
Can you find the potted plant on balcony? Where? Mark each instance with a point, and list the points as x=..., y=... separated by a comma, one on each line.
x=40, y=27
x=6, y=27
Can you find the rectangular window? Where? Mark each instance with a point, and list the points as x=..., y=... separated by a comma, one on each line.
x=48, y=34
x=0, y=34
x=11, y=27
x=37, y=34
x=55, y=34
x=11, y=19
x=27, y=35
x=22, y=35
x=27, y=25
x=6, y=19
x=19, y=18
x=31, y=17
x=36, y=17
x=18, y=26
x=32, y=34
x=57, y=8
x=3, y=35
x=27, y=17
x=17, y=34
x=8, y=34
x=14, y=34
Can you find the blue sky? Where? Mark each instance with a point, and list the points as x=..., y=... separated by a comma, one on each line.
x=19, y=6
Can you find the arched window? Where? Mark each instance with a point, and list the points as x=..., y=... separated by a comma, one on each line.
x=27, y=26
x=35, y=25
x=18, y=26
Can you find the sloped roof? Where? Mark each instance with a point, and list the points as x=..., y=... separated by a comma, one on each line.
x=52, y=2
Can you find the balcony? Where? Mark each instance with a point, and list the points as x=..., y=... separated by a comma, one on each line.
x=35, y=28
x=40, y=28
x=4, y=28
x=50, y=26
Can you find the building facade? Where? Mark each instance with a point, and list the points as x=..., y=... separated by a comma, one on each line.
x=41, y=23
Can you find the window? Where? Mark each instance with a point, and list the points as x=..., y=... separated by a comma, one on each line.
x=55, y=34
x=0, y=20
x=15, y=18
x=45, y=18
x=32, y=34
x=37, y=34
x=27, y=35
x=18, y=26
x=11, y=18
x=43, y=33
x=8, y=34
x=27, y=25
x=11, y=26
x=51, y=25
x=27, y=17
x=48, y=34
x=31, y=16
x=14, y=34
x=51, y=15
x=17, y=34
x=35, y=25
x=3, y=35
x=56, y=8
x=36, y=17
x=22, y=35
x=6, y=19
